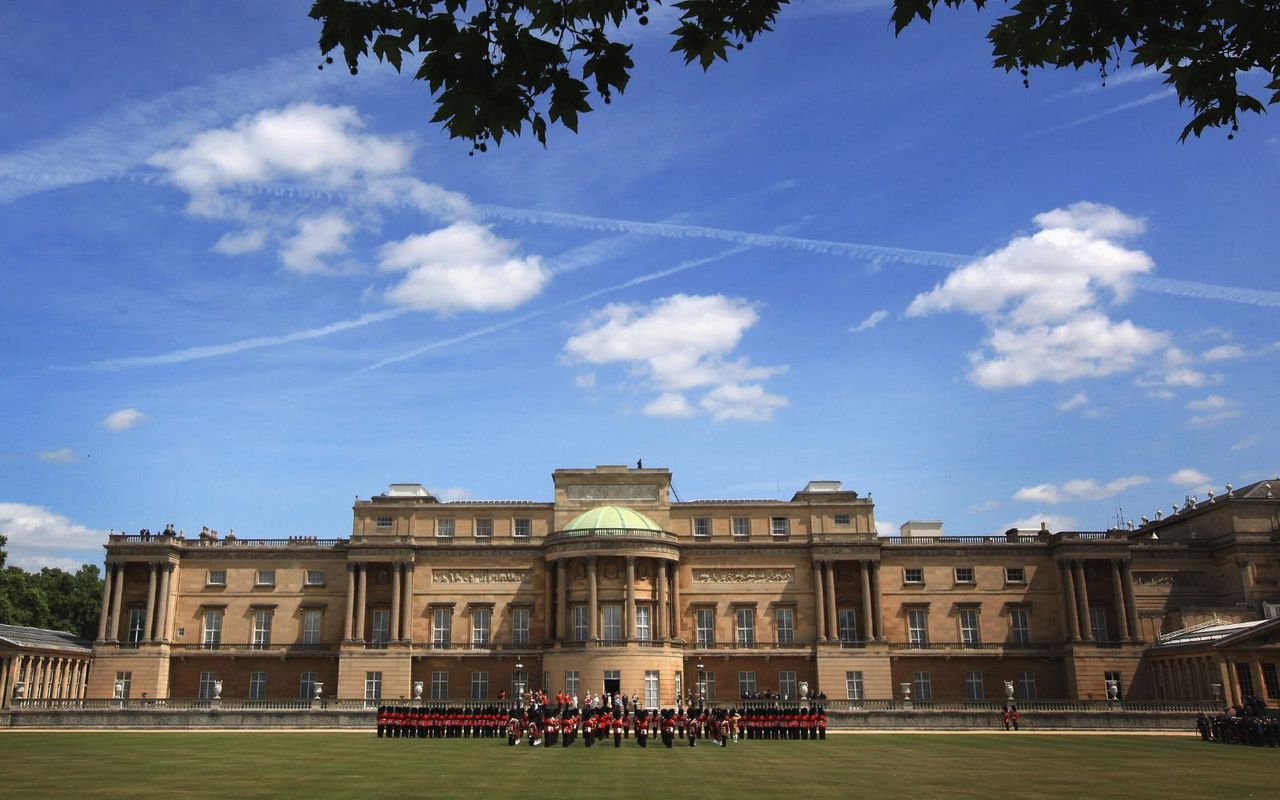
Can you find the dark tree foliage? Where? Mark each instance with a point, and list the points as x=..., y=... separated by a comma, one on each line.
x=51, y=598
x=495, y=65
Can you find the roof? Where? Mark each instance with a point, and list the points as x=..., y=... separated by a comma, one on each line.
x=1215, y=633
x=42, y=639
x=612, y=518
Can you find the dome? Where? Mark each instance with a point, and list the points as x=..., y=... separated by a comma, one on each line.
x=612, y=518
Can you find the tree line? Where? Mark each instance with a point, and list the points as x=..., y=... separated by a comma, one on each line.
x=51, y=598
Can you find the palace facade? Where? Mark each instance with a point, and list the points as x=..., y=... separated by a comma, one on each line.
x=614, y=586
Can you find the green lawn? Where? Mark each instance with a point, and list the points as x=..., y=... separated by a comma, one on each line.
x=358, y=765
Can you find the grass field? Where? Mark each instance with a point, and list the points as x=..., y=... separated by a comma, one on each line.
x=340, y=765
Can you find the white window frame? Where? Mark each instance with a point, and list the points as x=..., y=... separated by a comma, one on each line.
x=313, y=577
x=913, y=576
x=581, y=625
x=258, y=685
x=847, y=624
x=853, y=684
x=742, y=527
x=211, y=633
x=746, y=682
x=373, y=685
x=611, y=622
x=1098, y=623
x=262, y=618
x=784, y=622
x=572, y=682
x=744, y=626
x=705, y=630
x=125, y=677
x=1015, y=574
x=205, y=689
x=444, y=527
x=1020, y=624
x=480, y=685
x=383, y=522
x=922, y=685
x=307, y=685
x=652, y=688
x=706, y=685
x=1027, y=685
x=966, y=575
x=380, y=626
x=215, y=577
x=787, y=685
x=974, y=688
x=970, y=625
x=918, y=626
x=137, y=625
x=481, y=625
x=842, y=520
x=522, y=528
x=483, y=528
x=779, y=527
x=520, y=625
x=441, y=625
x=312, y=625
x=439, y=685
x=643, y=628
x=702, y=527
x=264, y=577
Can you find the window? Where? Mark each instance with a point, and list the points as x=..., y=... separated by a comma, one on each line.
x=969, y=633
x=973, y=689
x=1027, y=685
x=1110, y=676
x=651, y=686
x=612, y=622
x=745, y=619
x=705, y=626
x=1271, y=680
x=741, y=527
x=571, y=682
x=847, y=624
x=1098, y=616
x=480, y=619
x=1015, y=575
x=580, y=627
x=373, y=686
x=257, y=686
x=212, y=636
x=784, y=619
x=206, y=690
x=484, y=528
x=440, y=685
x=520, y=626
x=523, y=527
x=917, y=626
x=311, y=621
x=853, y=685
x=843, y=520
x=1020, y=625
x=964, y=575
x=642, y=623
x=480, y=686
x=1244, y=677
x=125, y=678
x=702, y=527
x=444, y=528
x=746, y=684
x=707, y=685
x=923, y=686
x=215, y=577
x=913, y=575
x=780, y=526
x=265, y=577
x=314, y=577
x=307, y=685
x=262, y=628
x=381, y=626
x=519, y=682
x=787, y=685
x=137, y=621
x=384, y=522
x=441, y=626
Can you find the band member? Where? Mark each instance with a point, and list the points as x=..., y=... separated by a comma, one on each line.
x=619, y=726
x=513, y=731
x=1011, y=716
x=552, y=729
x=642, y=729
x=588, y=729
x=822, y=724
x=535, y=733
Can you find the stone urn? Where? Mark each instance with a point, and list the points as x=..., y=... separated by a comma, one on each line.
x=117, y=691
x=20, y=691
x=804, y=690
x=417, y=690
x=217, y=690
x=1008, y=690
x=906, y=691
x=1113, y=691
x=317, y=689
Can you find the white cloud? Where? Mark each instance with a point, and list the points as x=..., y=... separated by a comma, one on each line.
x=64, y=456
x=238, y=243
x=1073, y=402
x=1247, y=442
x=681, y=343
x=39, y=538
x=1054, y=522
x=316, y=237
x=463, y=267
x=452, y=493
x=1078, y=489
x=1039, y=296
x=986, y=505
x=1215, y=410
x=874, y=319
x=1223, y=352
x=1189, y=477
x=585, y=380
x=124, y=419
x=886, y=528
x=670, y=404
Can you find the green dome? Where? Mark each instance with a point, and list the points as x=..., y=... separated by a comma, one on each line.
x=612, y=518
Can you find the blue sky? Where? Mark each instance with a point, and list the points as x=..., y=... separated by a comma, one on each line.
x=237, y=291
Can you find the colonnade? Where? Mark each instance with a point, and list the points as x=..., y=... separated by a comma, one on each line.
x=1076, y=605
x=665, y=622
x=43, y=677
x=824, y=601
x=401, y=601
x=156, y=622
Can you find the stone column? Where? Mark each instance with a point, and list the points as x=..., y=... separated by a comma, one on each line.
x=161, y=630
x=1069, y=608
x=674, y=631
x=148, y=622
x=108, y=571
x=350, y=626
x=819, y=605
x=1122, y=614
x=395, y=601
x=1230, y=689
x=562, y=600
x=117, y=589
x=1259, y=683
x=5, y=662
x=593, y=603
x=1082, y=601
x=548, y=609
x=660, y=618
x=1130, y=604
x=829, y=593
x=362, y=576
x=407, y=613
x=877, y=604
x=630, y=617
x=60, y=680
x=867, y=624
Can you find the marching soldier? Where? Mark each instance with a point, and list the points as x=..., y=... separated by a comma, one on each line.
x=619, y=726
x=668, y=728
x=588, y=725
x=642, y=728
x=513, y=731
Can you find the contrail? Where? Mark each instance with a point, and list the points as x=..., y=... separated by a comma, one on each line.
x=1208, y=291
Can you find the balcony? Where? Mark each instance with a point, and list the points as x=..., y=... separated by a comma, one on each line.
x=753, y=646
x=250, y=648
x=973, y=647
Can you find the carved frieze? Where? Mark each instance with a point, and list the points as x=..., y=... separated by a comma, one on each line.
x=1166, y=578
x=766, y=575
x=480, y=575
x=612, y=491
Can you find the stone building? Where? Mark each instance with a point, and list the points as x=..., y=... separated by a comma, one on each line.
x=612, y=585
x=40, y=664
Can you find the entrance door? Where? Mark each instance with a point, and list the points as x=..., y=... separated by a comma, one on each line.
x=612, y=681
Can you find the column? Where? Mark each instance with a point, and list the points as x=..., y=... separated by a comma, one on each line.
x=630, y=615
x=829, y=592
x=1130, y=603
x=152, y=584
x=819, y=605
x=548, y=610
x=1070, y=609
x=660, y=618
x=406, y=603
x=361, y=583
x=161, y=632
x=59, y=678
x=351, y=603
x=1122, y=613
x=674, y=631
x=395, y=600
x=117, y=589
x=4, y=681
x=1259, y=684
x=867, y=624
x=82, y=682
x=562, y=600
x=1230, y=691
x=877, y=605
x=1082, y=601
x=108, y=570
x=593, y=604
